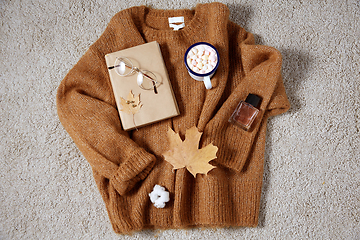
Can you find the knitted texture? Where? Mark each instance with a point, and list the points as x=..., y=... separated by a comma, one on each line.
x=127, y=165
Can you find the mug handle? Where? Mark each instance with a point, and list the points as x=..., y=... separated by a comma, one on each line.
x=207, y=82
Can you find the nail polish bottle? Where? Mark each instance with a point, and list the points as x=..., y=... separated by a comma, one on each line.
x=246, y=112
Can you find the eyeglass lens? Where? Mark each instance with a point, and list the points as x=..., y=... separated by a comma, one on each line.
x=147, y=80
x=123, y=66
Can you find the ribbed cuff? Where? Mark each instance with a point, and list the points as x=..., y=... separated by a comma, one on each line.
x=135, y=169
x=234, y=150
x=234, y=144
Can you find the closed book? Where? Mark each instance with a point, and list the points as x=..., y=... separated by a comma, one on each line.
x=140, y=103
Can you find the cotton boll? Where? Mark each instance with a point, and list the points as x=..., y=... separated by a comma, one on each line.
x=153, y=197
x=160, y=202
x=158, y=189
x=159, y=196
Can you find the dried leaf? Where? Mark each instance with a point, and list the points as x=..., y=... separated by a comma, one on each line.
x=186, y=153
x=131, y=105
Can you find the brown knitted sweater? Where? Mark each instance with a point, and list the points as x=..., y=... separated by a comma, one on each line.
x=127, y=165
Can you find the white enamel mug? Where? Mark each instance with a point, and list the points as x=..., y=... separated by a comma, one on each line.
x=204, y=77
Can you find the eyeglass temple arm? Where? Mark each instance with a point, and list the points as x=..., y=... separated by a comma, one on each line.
x=139, y=71
x=152, y=80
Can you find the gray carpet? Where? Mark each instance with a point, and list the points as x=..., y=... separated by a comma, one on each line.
x=312, y=164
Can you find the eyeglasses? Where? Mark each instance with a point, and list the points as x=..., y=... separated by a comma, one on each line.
x=145, y=79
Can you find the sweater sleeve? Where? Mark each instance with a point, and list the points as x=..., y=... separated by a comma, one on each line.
x=255, y=69
x=87, y=110
x=262, y=75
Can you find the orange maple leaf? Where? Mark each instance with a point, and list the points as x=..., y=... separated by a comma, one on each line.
x=131, y=105
x=186, y=153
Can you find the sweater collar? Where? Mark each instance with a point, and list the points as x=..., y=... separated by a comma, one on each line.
x=155, y=21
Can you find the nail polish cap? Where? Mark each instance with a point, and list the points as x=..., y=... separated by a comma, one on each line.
x=253, y=100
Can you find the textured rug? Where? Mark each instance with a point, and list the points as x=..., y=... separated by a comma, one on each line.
x=312, y=162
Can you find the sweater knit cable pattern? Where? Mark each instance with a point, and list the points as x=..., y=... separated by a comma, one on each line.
x=127, y=165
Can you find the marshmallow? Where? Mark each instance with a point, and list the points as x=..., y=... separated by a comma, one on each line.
x=212, y=58
x=208, y=49
x=201, y=59
x=189, y=62
x=208, y=67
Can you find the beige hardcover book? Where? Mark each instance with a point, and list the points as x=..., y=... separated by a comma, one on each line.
x=154, y=106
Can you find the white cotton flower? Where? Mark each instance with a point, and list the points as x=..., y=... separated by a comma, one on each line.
x=159, y=196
